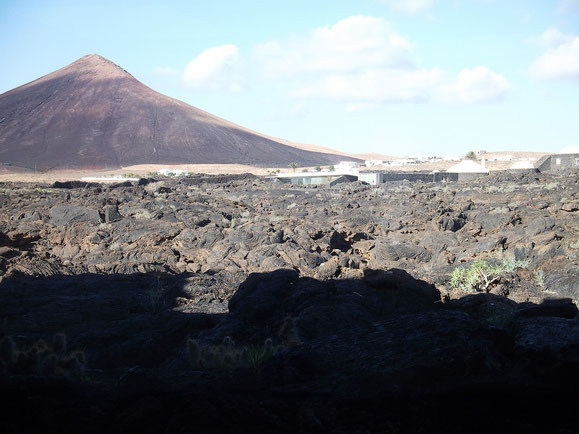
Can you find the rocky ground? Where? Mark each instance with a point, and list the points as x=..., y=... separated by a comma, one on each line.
x=134, y=306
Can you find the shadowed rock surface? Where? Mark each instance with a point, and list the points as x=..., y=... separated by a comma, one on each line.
x=94, y=114
x=230, y=304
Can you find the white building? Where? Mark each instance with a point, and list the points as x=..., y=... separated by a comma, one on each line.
x=172, y=172
x=346, y=166
x=468, y=166
x=370, y=163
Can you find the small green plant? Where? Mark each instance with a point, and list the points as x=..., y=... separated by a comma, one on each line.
x=227, y=356
x=540, y=278
x=510, y=265
x=41, y=359
x=478, y=277
x=257, y=356
x=331, y=168
x=481, y=275
x=318, y=169
x=470, y=155
x=293, y=166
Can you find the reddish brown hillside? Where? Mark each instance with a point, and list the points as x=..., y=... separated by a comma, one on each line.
x=94, y=114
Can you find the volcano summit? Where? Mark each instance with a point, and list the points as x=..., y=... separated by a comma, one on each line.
x=93, y=114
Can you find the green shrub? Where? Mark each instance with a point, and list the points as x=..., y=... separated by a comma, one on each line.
x=540, y=278
x=257, y=356
x=481, y=275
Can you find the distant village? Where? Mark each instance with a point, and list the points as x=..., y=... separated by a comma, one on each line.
x=375, y=172
x=473, y=165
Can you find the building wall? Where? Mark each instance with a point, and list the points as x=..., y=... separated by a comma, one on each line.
x=376, y=178
x=307, y=180
x=372, y=178
x=424, y=177
x=558, y=162
x=343, y=179
x=470, y=176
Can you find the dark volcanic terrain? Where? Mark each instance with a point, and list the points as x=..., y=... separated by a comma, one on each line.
x=237, y=304
x=93, y=114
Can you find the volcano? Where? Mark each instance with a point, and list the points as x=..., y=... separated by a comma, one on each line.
x=93, y=114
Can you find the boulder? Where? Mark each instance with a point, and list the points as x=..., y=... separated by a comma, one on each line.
x=68, y=214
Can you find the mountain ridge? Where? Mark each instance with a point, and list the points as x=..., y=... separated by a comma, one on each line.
x=94, y=114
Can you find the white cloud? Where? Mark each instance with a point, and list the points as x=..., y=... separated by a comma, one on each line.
x=409, y=6
x=551, y=38
x=561, y=58
x=217, y=68
x=353, y=44
x=472, y=86
x=362, y=62
x=375, y=86
x=164, y=71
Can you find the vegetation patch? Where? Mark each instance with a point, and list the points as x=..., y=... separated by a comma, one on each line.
x=41, y=359
x=228, y=356
x=482, y=275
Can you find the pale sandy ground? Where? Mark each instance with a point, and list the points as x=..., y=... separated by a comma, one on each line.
x=8, y=173
x=15, y=175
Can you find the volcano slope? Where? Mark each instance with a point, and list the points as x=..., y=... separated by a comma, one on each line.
x=92, y=114
x=234, y=304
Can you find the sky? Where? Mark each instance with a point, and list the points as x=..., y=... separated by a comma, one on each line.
x=412, y=77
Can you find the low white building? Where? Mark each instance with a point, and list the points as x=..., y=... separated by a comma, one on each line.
x=370, y=163
x=346, y=166
x=468, y=166
x=468, y=169
x=172, y=172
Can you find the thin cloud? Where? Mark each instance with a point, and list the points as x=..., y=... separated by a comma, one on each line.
x=409, y=6
x=568, y=6
x=353, y=44
x=550, y=38
x=217, y=68
x=363, y=62
x=474, y=86
x=375, y=86
x=560, y=61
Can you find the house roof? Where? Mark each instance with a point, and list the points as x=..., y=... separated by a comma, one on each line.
x=467, y=166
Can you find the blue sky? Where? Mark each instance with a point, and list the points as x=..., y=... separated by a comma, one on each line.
x=428, y=77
